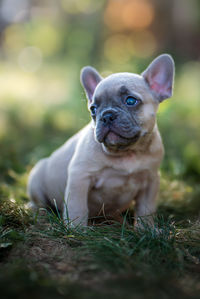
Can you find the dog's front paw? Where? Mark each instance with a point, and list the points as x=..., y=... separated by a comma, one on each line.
x=147, y=227
x=75, y=222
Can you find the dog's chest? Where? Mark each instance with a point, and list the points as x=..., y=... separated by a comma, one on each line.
x=115, y=188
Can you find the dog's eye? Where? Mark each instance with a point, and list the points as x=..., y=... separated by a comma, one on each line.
x=131, y=101
x=93, y=110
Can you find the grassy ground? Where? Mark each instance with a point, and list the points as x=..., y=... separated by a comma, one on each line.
x=42, y=258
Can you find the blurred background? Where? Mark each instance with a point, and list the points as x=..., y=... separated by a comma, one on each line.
x=43, y=46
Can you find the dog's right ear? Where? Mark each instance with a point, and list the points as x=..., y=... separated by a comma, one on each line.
x=90, y=78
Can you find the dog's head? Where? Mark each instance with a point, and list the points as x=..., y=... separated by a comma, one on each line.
x=123, y=106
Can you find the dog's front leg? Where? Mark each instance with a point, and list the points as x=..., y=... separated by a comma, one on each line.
x=76, y=199
x=146, y=203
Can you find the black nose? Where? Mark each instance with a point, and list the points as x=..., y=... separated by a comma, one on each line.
x=108, y=117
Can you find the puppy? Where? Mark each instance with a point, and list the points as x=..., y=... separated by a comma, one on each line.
x=115, y=158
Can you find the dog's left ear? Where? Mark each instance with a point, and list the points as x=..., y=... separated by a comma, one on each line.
x=90, y=78
x=160, y=76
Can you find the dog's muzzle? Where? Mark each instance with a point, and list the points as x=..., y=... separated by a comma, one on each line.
x=108, y=117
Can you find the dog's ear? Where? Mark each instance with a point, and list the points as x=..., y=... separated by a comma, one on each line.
x=90, y=79
x=160, y=76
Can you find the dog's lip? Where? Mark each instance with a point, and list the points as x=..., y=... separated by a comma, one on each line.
x=135, y=137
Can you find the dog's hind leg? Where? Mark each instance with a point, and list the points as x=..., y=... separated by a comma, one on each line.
x=36, y=186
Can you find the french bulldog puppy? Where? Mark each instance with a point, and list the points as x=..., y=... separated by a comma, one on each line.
x=114, y=160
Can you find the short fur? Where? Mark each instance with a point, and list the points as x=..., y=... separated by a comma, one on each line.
x=115, y=158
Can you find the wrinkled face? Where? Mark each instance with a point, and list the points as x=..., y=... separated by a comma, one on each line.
x=123, y=110
x=123, y=106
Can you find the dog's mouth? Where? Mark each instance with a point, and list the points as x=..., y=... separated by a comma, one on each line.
x=113, y=139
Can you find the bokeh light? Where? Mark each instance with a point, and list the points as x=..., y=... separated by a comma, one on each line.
x=46, y=37
x=120, y=48
x=137, y=14
x=128, y=14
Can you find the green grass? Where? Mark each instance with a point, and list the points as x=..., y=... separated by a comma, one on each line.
x=42, y=256
x=120, y=246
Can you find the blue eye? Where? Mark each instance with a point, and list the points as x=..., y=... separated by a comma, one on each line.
x=130, y=101
x=93, y=110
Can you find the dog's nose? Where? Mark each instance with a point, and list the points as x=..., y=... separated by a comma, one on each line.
x=108, y=117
